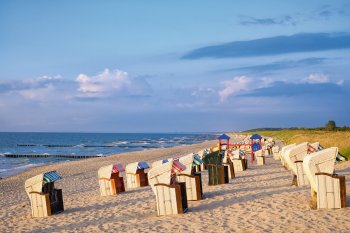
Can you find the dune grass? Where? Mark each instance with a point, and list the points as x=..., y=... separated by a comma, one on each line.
x=341, y=139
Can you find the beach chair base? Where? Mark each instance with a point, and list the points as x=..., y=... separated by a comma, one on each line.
x=260, y=160
x=240, y=164
x=231, y=170
x=46, y=204
x=331, y=192
x=194, y=190
x=171, y=199
x=300, y=178
x=138, y=179
x=217, y=174
x=112, y=186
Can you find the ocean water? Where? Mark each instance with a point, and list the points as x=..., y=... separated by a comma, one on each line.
x=87, y=144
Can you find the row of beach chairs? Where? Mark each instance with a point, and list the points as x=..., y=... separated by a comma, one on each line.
x=312, y=165
x=173, y=181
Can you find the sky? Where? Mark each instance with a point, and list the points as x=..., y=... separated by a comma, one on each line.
x=173, y=66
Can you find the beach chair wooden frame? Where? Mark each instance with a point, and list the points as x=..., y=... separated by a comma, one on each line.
x=192, y=180
x=136, y=177
x=217, y=174
x=331, y=191
x=227, y=162
x=110, y=183
x=45, y=199
x=327, y=189
x=171, y=198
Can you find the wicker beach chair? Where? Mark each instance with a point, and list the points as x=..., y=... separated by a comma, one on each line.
x=294, y=157
x=275, y=151
x=228, y=162
x=240, y=163
x=171, y=196
x=260, y=157
x=136, y=175
x=328, y=190
x=109, y=180
x=282, y=152
x=217, y=172
x=45, y=199
x=192, y=178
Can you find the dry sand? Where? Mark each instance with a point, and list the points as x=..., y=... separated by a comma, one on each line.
x=259, y=199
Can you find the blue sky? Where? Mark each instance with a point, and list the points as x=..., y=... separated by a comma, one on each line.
x=173, y=66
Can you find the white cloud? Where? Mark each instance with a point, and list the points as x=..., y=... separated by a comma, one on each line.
x=237, y=84
x=109, y=83
x=317, y=78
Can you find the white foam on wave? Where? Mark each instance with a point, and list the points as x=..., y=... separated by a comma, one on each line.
x=15, y=170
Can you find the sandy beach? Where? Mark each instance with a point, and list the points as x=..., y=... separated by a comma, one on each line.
x=260, y=199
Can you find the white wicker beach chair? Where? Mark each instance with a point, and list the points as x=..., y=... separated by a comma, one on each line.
x=240, y=163
x=260, y=157
x=109, y=180
x=171, y=196
x=45, y=199
x=136, y=175
x=192, y=179
x=275, y=151
x=282, y=151
x=327, y=189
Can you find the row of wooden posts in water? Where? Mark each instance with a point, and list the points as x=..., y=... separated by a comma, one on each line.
x=177, y=181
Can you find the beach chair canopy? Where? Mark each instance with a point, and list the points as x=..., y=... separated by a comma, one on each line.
x=36, y=183
x=294, y=153
x=283, y=150
x=215, y=157
x=321, y=161
x=313, y=147
x=189, y=161
x=133, y=167
x=107, y=171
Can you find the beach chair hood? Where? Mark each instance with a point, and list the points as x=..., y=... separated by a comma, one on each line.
x=133, y=167
x=35, y=184
x=321, y=161
x=106, y=171
x=187, y=160
x=294, y=153
x=160, y=174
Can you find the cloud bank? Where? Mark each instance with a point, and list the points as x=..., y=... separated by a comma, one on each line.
x=306, y=42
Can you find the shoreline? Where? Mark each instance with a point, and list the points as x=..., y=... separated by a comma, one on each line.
x=259, y=199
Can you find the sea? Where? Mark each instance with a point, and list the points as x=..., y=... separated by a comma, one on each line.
x=57, y=147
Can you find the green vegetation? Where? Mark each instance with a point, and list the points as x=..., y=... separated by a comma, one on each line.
x=327, y=138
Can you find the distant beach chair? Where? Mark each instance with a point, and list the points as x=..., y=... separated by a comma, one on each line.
x=294, y=157
x=275, y=151
x=217, y=172
x=192, y=178
x=328, y=190
x=282, y=152
x=171, y=196
x=260, y=157
x=240, y=163
x=136, y=175
x=109, y=180
x=228, y=162
x=45, y=199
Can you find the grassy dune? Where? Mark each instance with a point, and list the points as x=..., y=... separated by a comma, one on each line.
x=341, y=139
